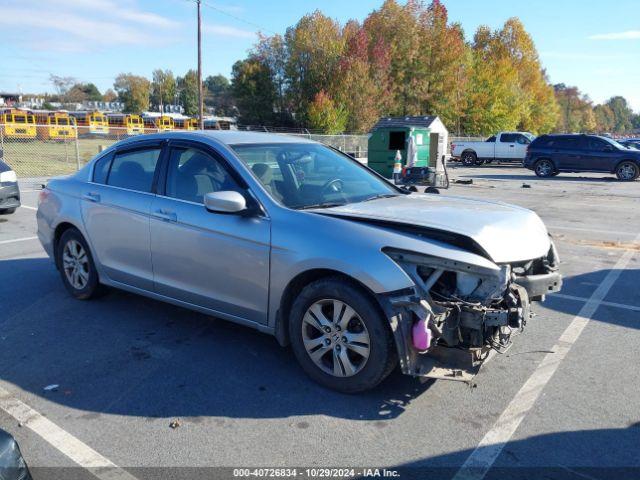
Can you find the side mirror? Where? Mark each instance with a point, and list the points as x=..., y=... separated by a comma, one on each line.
x=225, y=202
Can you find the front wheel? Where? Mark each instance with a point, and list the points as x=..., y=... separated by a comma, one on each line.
x=627, y=171
x=340, y=337
x=7, y=211
x=76, y=265
x=544, y=168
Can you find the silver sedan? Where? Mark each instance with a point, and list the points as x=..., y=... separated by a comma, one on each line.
x=298, y=240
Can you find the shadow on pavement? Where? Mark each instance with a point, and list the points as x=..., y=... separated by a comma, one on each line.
x=609, y=454
x=128, y=355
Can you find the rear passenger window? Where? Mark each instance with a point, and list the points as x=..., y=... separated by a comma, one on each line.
x=508, y=138
x=134, y=169
x=568, y=143
x=101, y=169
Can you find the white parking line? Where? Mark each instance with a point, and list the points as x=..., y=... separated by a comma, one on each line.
x=61, y=440
x=482, y=458
x=15, y=240
x=603, y=303
x=27, y=206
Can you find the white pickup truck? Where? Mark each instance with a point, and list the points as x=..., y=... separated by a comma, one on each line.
x=502, y=147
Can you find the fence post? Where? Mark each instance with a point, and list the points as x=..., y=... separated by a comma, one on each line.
x=2, y=137
x=77, y=150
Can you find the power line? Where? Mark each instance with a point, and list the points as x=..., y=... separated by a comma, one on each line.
x=235, y=17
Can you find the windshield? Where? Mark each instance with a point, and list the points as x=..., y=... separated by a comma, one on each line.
x=613, y=142
x=307, y=175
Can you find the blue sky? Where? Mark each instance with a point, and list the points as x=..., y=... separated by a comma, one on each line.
x=589, y=43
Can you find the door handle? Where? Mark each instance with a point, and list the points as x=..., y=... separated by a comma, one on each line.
x=165, y=215
x=91, y=197
x=511, y=146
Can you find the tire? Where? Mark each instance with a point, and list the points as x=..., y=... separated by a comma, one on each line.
x=469, y=159
x=544, y=168
x=7, y=211
x=312, y=313
x=85, y=284
x=627, y=171
x=431, y=190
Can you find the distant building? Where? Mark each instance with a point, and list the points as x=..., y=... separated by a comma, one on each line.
x=8, y=99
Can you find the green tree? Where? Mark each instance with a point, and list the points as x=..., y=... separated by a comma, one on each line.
x=253, y=91
x=133, y=91
x=218, y=94
x=621, y=114
x=575, y=110
x=325, y=115
x=163, y=88
x=188, y=92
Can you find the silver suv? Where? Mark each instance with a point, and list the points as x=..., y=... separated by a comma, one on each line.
x=298, y=240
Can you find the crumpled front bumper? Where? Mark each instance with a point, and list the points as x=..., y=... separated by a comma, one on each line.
x=458, y=362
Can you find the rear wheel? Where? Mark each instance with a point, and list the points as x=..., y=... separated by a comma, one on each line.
x=544, y=168
x=76, y=265
x=7, y=211
x=469, y=159
x=340, y=337
x=627, y=171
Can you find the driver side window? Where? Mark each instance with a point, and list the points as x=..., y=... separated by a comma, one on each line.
x=193, y=173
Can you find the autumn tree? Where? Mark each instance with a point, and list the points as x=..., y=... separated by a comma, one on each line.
x=314, y=47
x=133, y=91
x=576, y=110
x=163, y=88
x=604, y=117
x=325, y=115
x=109, y=96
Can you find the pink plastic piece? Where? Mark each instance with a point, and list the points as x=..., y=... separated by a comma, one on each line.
x=421, y=335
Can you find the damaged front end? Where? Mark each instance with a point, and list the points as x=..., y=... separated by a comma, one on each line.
x=458, y=314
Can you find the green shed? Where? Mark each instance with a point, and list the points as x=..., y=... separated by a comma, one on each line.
x=392, y=134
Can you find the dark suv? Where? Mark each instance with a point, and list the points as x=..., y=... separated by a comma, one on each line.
x=549, y=155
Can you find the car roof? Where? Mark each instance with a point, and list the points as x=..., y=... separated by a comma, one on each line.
x=226, y=137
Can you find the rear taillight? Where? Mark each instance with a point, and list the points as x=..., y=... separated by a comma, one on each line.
x=42, y=196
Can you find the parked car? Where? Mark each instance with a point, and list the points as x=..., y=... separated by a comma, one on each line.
x=502, y=147
x=9, y=191
x=630, y=143
x=298, y=240
x=548, y=155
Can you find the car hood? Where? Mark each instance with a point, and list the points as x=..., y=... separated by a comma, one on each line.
x=507, y=233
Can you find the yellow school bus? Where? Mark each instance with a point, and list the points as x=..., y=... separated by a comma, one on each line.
x=60, y=126
x=122, y=124
x=186, y=123
x=91, y=123
x=164, y=123
x=18, y=124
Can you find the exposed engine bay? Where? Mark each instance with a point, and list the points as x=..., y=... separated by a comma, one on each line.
x=458, y=315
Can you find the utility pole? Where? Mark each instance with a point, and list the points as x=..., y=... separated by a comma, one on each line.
x=200, y=104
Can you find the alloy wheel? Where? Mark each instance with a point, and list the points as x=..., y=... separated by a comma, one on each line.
x=627, y=171
x=335, y=338
x=544, y=168
x=75, y=263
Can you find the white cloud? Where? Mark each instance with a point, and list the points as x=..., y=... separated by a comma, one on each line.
x=116, y=10
x=628, y=35
x=228, y=31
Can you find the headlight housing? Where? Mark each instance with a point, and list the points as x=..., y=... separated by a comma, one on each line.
x=8, y=176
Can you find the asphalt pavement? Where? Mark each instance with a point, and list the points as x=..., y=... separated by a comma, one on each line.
x=563, y=402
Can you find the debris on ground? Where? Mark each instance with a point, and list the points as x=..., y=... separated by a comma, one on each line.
x=174, y=424
x=51, y=388
x=464, y=182
x=526, y=185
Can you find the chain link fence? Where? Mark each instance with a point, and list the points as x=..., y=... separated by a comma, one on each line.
x=45, y=150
